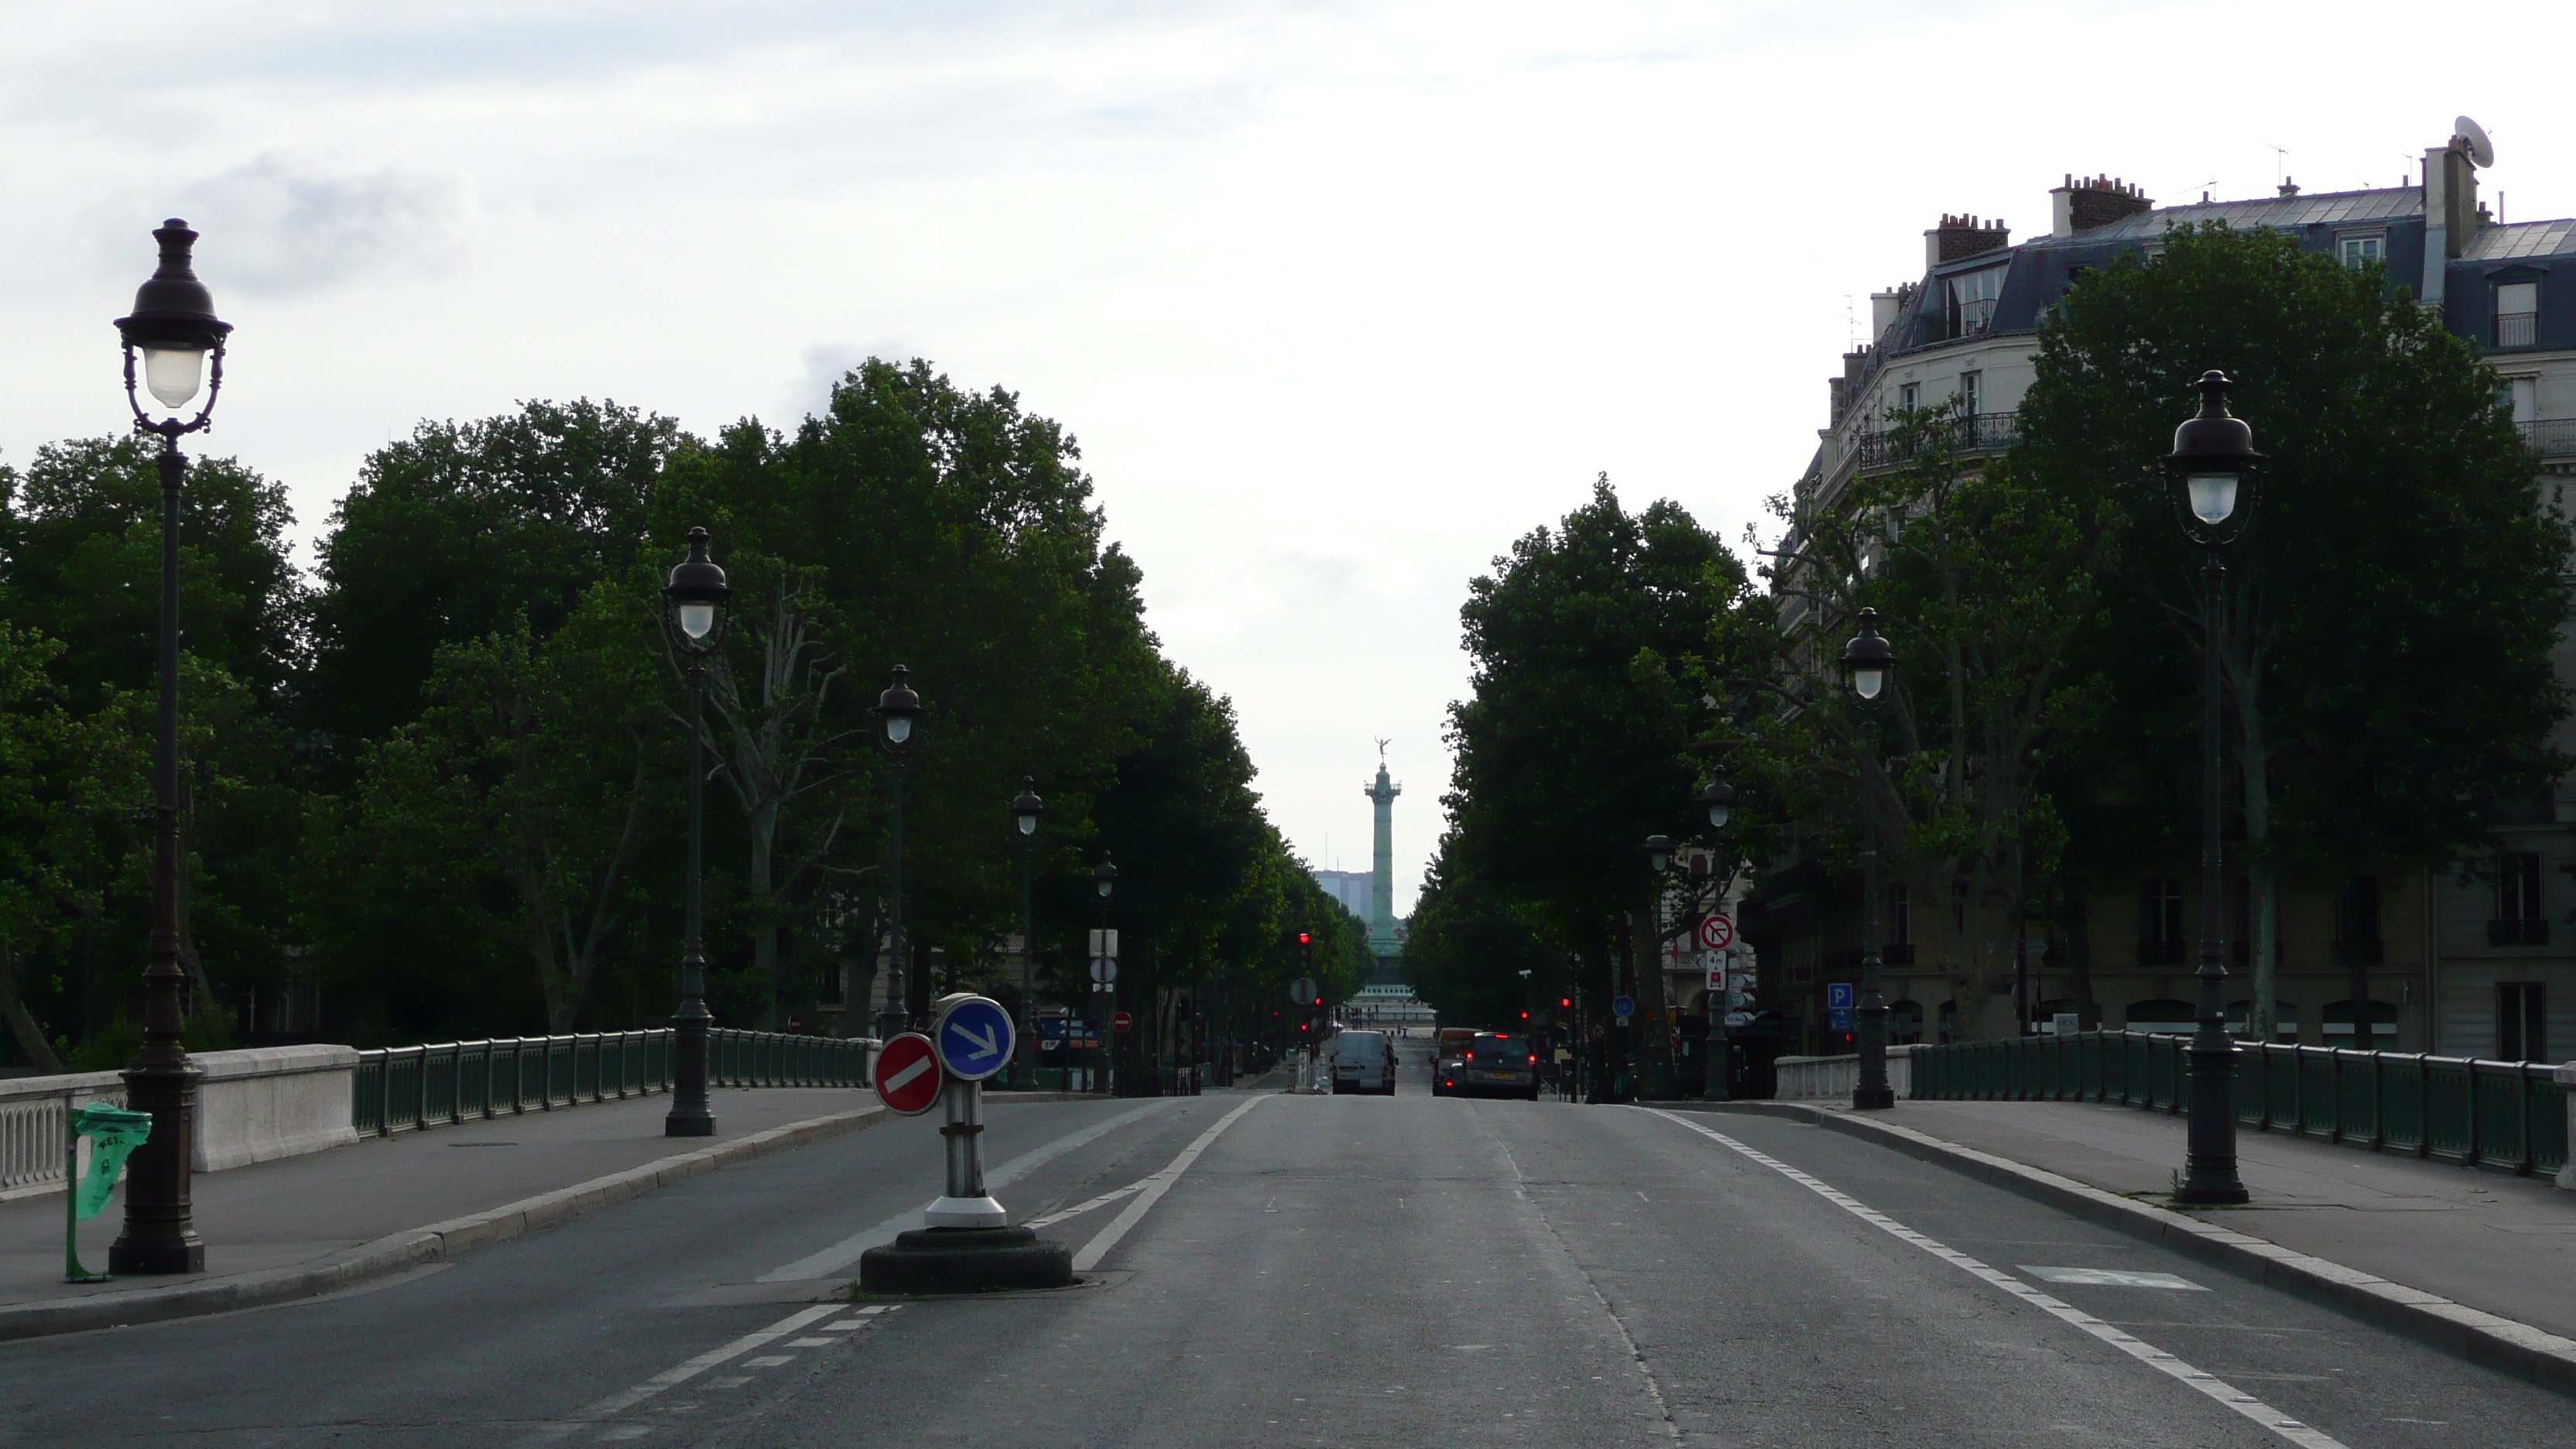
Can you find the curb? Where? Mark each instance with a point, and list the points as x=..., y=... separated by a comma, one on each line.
x=2482, y=1338
x=414, y=1247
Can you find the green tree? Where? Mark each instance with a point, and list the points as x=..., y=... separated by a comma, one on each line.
x=2391, y=611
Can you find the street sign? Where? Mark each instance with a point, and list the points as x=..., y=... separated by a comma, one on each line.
x=1622, y=1008
x=974, y=1038
x=1103, y=970
x=1051, y=1032
x=1122, y=1023
x=1104, y=943
x=907, y=1074
x=1739, y=1018
x=1302, y=990
x=1716, y=932
x=1838, y=1005
x=1599, y=1031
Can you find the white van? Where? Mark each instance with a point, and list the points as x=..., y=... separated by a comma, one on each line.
x=1363, y=1061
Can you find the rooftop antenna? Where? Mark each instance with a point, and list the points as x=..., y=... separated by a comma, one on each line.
x=2481, y=150
x=2280, y=164
x=1851, y=325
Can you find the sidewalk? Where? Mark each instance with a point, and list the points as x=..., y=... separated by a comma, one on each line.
x=2486, y=1241
x=280, y=1229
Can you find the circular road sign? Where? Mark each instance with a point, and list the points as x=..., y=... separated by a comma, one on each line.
x=1622, y=1007
x=907, y=1074
x=974, y=1038
x=1122, y=1022
x=1302, y=990
x=1716, y=932
x=1103, y=970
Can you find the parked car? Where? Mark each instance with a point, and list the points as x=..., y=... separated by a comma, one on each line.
x=1449, y=1058
x=1363, y=1061
x=1498, y=1064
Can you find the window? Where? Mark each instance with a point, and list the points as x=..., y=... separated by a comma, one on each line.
x=2361, y=251
x=1972, y=301
x=1972, y=393
x=2517, y=314
x=2519, y=918
x=2159, y=922
x=1900, y=915
x=2357, y=922
x=2522, y=1022
x=2522, y=394
x=1909, y=395
x=1959, y=906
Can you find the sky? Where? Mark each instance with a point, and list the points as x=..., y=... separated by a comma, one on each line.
x=1339, y=298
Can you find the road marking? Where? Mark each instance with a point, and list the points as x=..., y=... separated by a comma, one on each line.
x=1157, y=1185
x=2205, y=1383
x=1078, y=1209
x=624, y=1399
x=845, y=1252
x=769, y=1360
x=2111, y=1278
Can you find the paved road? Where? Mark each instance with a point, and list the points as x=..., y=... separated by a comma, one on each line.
x=1328, y=1270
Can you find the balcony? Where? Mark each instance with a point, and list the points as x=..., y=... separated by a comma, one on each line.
x=1976, y=433
x=2554, y=438
x=2531, y=931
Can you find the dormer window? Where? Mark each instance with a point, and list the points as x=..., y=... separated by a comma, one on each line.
x=2362, y=251
x=2517, y=314
x=1972, y=301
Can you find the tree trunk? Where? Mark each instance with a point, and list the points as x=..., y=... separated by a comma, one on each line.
x=23, y=1026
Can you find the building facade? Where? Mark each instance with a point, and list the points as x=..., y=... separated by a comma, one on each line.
x=2479, y=967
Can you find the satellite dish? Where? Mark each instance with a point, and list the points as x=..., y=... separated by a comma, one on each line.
x=2481, y=150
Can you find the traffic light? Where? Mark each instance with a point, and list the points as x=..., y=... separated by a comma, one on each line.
x=1305, y=953
x=1524, y=1016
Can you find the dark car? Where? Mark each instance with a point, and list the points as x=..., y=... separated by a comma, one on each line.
x=1497, y=1064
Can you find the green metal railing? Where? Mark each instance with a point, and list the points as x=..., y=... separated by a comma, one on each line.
x=402, y=1089
x=2506, y=1115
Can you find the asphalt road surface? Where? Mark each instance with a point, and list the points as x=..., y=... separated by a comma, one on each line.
x=1325, y=1270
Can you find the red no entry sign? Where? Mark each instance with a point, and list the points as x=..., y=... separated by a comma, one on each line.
x=1122, y=1021
x=907, y=1074
x=1716, y=933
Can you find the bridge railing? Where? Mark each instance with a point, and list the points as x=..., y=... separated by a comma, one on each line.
x=404, y=1089
x=2507, y=1115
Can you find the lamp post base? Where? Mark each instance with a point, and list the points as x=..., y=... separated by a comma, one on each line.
x=182, y=1255
x=1873, y=1099
x=679, y=1124
x=965, y=1260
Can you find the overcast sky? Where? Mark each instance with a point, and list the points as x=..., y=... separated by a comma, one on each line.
x=1339, y=298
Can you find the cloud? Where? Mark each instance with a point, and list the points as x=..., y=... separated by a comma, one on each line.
x=827, y=364
x=282, y=226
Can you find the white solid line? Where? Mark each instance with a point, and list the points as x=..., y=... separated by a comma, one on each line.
x=845, y=1252
x=2205, y=1383
x=1155, y=1186
x=618, y=1403
x=1078, y=1209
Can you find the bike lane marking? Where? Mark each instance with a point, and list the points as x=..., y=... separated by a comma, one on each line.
x=2200, y=1380
x=1152, y=1191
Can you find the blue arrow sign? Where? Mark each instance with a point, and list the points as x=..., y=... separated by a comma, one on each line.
x=1622, y=1008
x=974, y=1038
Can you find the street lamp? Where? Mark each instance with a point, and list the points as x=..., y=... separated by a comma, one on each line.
x=1026, y=807
x=174, y=326
x=1868, y=663
x=1718, y=800
x=1105, y=877
x=901, y=710
x=2212, y=461
x=696, y=594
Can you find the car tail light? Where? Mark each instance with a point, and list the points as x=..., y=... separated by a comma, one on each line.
x=1533, y=1059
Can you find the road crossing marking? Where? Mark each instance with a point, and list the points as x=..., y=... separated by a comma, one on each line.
x=2207, y=1384
x=1154, y=1188
x=845, y=1252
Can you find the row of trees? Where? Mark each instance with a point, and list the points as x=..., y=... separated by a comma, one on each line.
x=433, y=788
x=2390, y=621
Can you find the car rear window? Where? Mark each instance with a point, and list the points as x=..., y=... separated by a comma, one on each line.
x=1498, y=1048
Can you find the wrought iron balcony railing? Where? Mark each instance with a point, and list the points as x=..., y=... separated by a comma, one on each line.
x=1971, y=434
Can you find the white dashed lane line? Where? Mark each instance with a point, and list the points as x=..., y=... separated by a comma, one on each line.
x=848, y=1321
x=2208, y=1384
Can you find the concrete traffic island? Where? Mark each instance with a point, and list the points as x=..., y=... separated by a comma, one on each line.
x=966, y=1260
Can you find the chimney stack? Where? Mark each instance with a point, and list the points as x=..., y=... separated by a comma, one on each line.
x=1962, y=236
x=2091, y=202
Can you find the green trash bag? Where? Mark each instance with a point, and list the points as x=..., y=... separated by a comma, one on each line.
x=113, y=1133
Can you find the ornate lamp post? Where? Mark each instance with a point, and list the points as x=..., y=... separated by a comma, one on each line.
x=696, y=594
x=900, y=709
x=1105, y=877
x=1025, y=809
x=174, y=326
x=1717, y=801
x=1868, y=662
x=2213, y=457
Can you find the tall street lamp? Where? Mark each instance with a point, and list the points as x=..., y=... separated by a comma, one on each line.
x=1717, y=801
x=174, y=326
x=1868, y=663
x=2213, y=457
x=696, y=594
x=1025, y=809
x=900, y=709
x=1104, y=876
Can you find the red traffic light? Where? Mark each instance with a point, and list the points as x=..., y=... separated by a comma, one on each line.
x=1304, y=939
x=1565, y=1003
x=1524, y=1016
